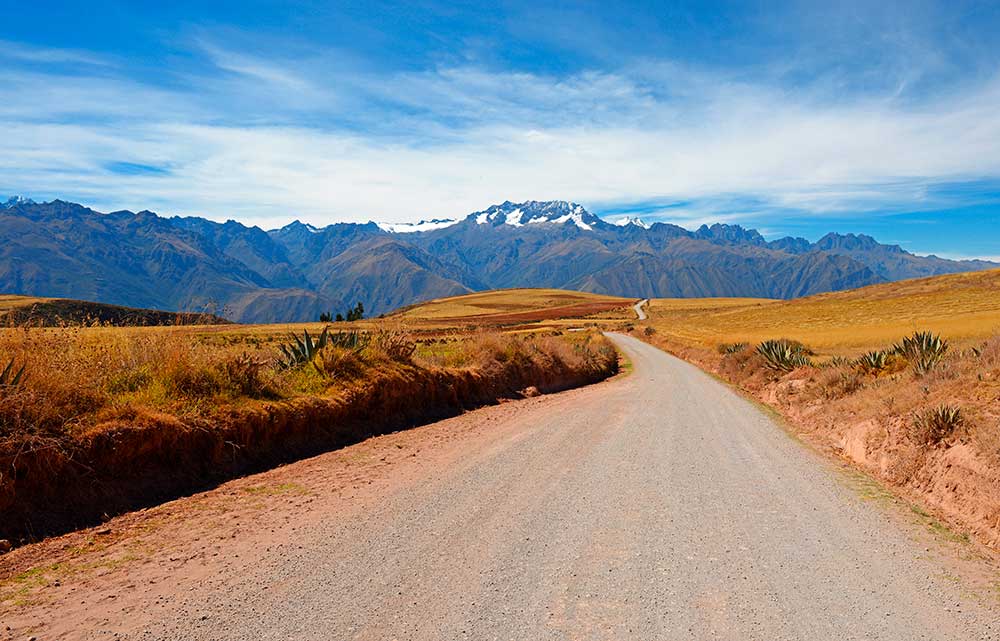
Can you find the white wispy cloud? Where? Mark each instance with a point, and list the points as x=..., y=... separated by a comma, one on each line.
x=272, y=140
x=50, y=55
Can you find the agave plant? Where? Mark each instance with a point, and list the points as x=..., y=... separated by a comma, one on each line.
x=924, y=350
x=348, y=340
x=10, y=378
x=302, y=350
x=783, y=355
x=732, y=348
x=874, y=362
x=938, y=423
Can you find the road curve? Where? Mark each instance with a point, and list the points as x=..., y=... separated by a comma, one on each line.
x=639, y=312
x=656, y=506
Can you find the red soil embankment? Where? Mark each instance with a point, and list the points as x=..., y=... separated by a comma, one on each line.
x=48, y=487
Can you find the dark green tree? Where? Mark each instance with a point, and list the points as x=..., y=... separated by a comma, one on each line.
x=356, y=313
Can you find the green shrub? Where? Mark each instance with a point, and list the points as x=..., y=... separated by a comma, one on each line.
x=129, y=380
x=348, y=340
x=732, y=348
x=784, y=355
x=10, y=378
x=302, y=350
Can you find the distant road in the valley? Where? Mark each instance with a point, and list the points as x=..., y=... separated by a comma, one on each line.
x=658, y=505
x=638, y=309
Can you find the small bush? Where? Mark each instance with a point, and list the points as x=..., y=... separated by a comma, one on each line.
x=837, y=362
x=784, y=355
x=923, y=350
x=128, y=381
x=192, y=380
x=732, y=348
x=649, y=331
x=245, y=375
x=989, y=352
x=392, y=344
x=936, y=424
x=338, y=362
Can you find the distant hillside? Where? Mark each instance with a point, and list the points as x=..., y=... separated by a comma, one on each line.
x=50, y=312
x=512, y=306
x=296, y=272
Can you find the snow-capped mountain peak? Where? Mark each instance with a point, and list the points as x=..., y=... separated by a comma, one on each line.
x=14, y=201
x=535, y=212
x=632, y=220
x=423, y=225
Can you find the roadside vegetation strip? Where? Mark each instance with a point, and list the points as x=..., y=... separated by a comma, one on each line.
x=920, y=414
x=104, y=420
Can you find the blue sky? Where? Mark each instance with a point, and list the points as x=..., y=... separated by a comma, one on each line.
x=794, y=118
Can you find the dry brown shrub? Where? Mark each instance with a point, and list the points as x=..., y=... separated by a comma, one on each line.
x=833, y=383
x=247, y=375
x=390, y=343
x=989, y=353
x=339, y=362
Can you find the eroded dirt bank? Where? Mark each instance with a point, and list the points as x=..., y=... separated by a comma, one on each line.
x=48, y=487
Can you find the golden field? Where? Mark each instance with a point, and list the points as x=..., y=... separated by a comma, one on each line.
x=513, y=307
x=963, y=307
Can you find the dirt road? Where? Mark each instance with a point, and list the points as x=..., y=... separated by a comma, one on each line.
x=639, y=311
x=656, y=506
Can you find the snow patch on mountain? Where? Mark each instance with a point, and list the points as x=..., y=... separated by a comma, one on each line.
x=575, y=217
x=533, y=212
x=14, y=201
x=630, y=220
x=423, y=225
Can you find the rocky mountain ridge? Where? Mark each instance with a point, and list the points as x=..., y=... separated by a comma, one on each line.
x=248, y=274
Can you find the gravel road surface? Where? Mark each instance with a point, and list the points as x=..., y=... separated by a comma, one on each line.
x=657, y=506
x=639, y=311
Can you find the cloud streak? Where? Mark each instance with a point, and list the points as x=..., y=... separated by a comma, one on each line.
x=272, y=140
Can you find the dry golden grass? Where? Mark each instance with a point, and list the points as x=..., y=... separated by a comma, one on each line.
x=116, y=414
x=81, y=376
x=510, y=306
x=962, y=307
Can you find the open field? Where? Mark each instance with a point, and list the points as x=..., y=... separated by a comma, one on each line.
x=511, y=307
x=964, y=307
x=107, y=418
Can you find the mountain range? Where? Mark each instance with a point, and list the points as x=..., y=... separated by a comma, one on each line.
x=62, y=249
